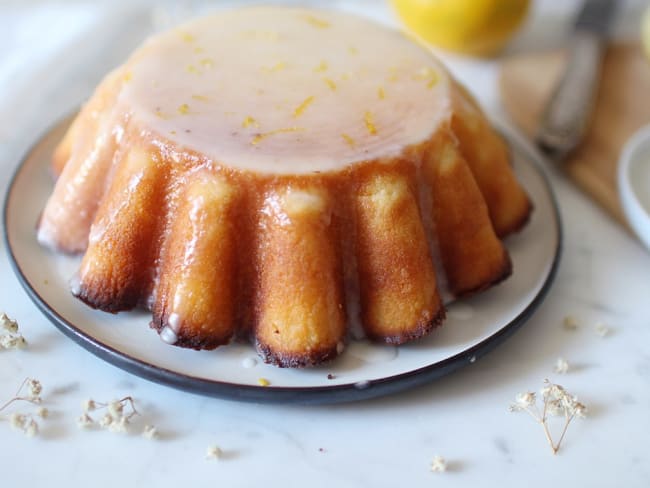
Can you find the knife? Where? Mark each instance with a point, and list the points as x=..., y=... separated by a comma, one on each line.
x=567, y=115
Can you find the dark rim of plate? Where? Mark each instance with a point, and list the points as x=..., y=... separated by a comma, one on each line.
x=338, y=393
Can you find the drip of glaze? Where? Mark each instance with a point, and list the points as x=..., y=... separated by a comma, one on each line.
x=174, y=322
x=75, y=285
x=168, y=335
x=249, y=362
x=372, y=353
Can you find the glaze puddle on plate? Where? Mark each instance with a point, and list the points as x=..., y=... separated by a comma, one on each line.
x=472, y=328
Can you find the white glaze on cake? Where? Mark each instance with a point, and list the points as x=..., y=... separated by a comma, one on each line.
x=286, y=91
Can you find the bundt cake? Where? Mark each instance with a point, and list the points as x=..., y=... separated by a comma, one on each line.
x=284, y=175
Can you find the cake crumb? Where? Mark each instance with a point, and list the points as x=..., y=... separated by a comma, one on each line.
x=330, y=376
x=570, y=322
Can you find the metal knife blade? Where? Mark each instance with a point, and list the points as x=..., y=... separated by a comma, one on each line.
x=567, y=114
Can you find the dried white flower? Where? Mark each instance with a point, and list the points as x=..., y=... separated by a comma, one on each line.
x=555, y=408
x=31, y=428
x=115, y=419
x=43, y=412
x=525, y=399
x=8, y=324
x=88, y=405
x=213, y=452
x=150, y=432
x=579, y=410
x=35, y=389
x=17, y=420
x=570, y=322
x=12, y=342
x=11, y=339
x=85, y=421
x=120, y=425
x=106, y=420
x=115, y=408
x=602, y=330
x=557, y=402
x=561, y=366
x=438, y=464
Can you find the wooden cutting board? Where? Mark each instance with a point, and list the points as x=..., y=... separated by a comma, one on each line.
x=623, y=105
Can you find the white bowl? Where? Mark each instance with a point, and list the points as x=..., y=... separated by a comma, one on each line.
x=634, y=183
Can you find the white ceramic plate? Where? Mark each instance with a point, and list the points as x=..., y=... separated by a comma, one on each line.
x=473, y=326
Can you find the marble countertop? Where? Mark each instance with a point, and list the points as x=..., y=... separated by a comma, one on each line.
x=603, y=279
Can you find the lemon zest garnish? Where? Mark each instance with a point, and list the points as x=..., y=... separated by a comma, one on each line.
x=172, y=132
x=302, y=107
x=248, y=121
x=200, y=98
x=278, y=67
x=316, y=22
x=381, y=93
x=207, y=63
x=198, y=50
x=184, y=109
x=345, y=76
x=127, y=76
x=393, y=74
x=162, y=115
x=330, y=83
x=349, y=140
x=370, y=123
x=187, y=37
x=353, y=50
x=321, y=67
x=263, y=382
x=192, y=69
x=429, y=75
x=260, y=137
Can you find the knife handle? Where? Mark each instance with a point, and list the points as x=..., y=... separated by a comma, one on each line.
x=567, y=114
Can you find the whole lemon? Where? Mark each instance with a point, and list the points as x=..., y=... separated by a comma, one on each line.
x=475, y=27
x=645, y=31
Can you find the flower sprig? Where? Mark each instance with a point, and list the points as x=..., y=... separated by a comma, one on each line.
x=10, y=338
x=556, y=402
x=117, y=416
x=29, y=391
